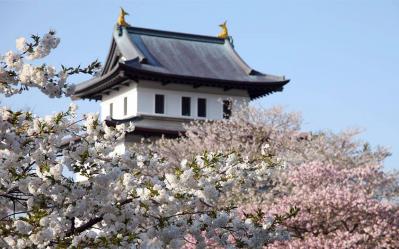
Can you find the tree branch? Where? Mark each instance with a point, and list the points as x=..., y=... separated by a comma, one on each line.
x=90, y=223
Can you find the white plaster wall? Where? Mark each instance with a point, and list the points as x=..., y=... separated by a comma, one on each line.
x=146, y=91
x=117, y=98
x=141, y=100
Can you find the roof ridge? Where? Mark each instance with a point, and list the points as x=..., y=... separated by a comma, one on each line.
x=175, y=35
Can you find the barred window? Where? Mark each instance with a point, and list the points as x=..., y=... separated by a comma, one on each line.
x=159, y=103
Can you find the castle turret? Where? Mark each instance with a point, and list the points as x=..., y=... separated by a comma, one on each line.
x=161, y=79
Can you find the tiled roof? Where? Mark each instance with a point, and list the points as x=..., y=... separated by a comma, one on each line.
x=140, y=53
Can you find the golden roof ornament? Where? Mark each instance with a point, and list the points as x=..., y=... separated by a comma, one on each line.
x=121, y=19
x=224, y=33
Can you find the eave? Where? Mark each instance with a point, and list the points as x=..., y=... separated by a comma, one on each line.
x=93, y=89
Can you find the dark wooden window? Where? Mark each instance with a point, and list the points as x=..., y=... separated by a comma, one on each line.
x=186, y=106
x=125, y=106
x=111, y=110
x=201, y=107
x=159, y=103
x=226, y=109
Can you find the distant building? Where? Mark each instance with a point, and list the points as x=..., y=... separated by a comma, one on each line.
x=160, y=79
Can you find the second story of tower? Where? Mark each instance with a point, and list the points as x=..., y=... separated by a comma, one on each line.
x=151, y=98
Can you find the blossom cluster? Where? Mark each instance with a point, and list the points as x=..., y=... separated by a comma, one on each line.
x=16, y=75
x=41, y=49
x=127, y=200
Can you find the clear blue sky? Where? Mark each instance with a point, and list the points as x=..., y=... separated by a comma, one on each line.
x=342, y=56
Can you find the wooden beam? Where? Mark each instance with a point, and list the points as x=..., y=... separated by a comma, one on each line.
x=196, y=85
x=226, y=88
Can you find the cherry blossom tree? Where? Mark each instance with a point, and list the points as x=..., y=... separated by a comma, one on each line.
x=136, y=200
x=343, y=197
x=272, y=134
x=339, y=208
x=255, y=131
